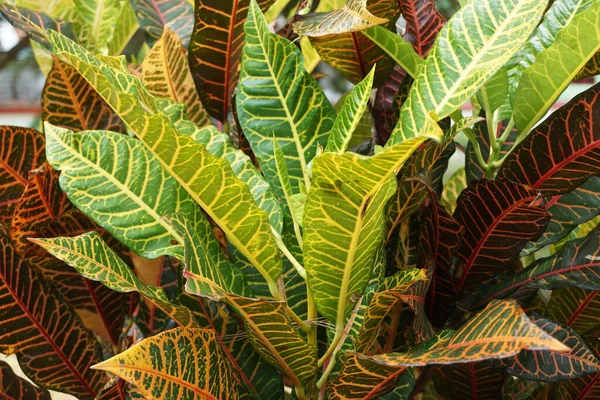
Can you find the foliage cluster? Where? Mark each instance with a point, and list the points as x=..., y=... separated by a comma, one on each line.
x=198, y=220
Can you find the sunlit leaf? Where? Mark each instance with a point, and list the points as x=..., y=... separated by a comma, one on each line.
x=350, y=115
x=469, y=50
x=165, y=73
x=215, y=51
x=507, y=332
x=52, y=345
x=551, y=366
x=453, y=188
x=183, y=363
x=92, y=258
x=344, y=223
x=125, y=27
x=100, y=17
x=555, y=67
x=353, y=17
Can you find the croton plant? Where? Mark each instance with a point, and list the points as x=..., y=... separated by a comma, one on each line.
x=195, y=219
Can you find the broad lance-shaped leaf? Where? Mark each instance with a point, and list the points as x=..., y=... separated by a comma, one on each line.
x=219, y=145
x=153, y=16
x=423, y=22
x=54, y=349
x=115, y=180
x=393, y=289
x=273, y=79
x=354, y=54
x=555, y=67
x=178, y=364
x=584, y=387
x=575, y=307
x=559, y=15
x=99, y=16
x=439, y=239
x=563, y=151
x=551, y=366
x=501, y=330
x=590, y=69
x=361, y=378
x=92, y=258
x=576, y=264
x=344, y=223
x=209, y=180
x=350, y=116
x=267, y=324
x=21, y=150
x=70, y=102
x=476, y=380
x=125, y=27
x=165, y=73
x=399, y=49
x=499, y=218
x=568, y=212
x=453, y=188
x=215, y=51
x=353, y=17
x=469, y=50
x=15, y=387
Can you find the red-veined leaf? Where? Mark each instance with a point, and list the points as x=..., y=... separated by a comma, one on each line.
x=68, y=100
x=13, y=387
x=165, y=73
x=215, y=51
x=563, y=151
x=475, y=380
x=499, y=219
x=590, y=69
x=353, y=53
x=154, y=15
x=21, y=150
x=179, y=364
x=586, y=386
x=35, y=23
x=576, y=264
x=576, y=307
x=54, y=349
x=551, y=366
x=363, y=379
x=440, y=236
x=568, y=212
x=499, y=331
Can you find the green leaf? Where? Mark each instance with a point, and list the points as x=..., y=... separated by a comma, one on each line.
x=452, y=189
x=555, y=67
x=344, y=223
x=215, y=51
x=93, y=259
x=209, y=180
x=165, y=73
x=21, y=150
x=399, y=49
x=350, y=115
x=575, y=307
x=154, y=15
x=501, y=330
x=15, y=387
x=492, y=94
x=273, y=78
x=53, y=347
x=116, y=181
x=352, y=17
x=179, y=364
x=34, y=23
x=559, y=15
x=552, y=366
x=70, y=102
x=267, y=324
x=125, y=27
x=471, y=47
x=100, y=17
